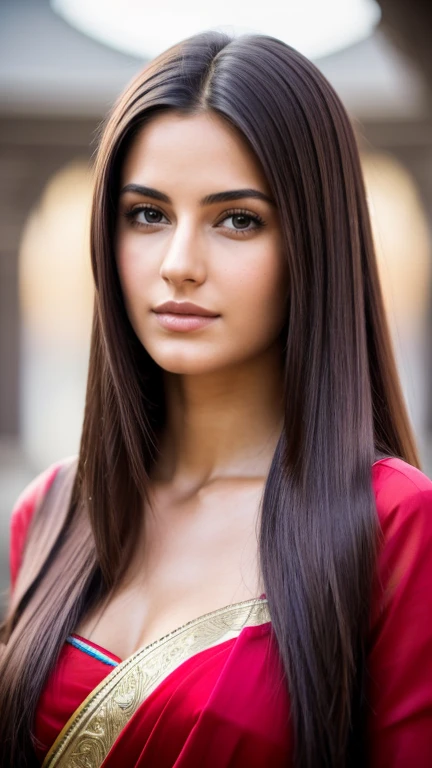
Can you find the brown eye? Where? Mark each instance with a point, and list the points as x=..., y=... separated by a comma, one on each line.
x=144, y=216
x=147, y=215
x=241, y=220
x=152, y=216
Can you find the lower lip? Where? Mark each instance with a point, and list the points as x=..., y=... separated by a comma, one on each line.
x=174, y=322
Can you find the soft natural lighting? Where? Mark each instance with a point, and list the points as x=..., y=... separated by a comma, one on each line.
x=314, y=27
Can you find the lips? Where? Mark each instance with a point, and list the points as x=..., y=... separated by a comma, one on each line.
x=183, y=316
x=184, y=308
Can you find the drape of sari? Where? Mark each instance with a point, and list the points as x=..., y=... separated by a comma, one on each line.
x=219, y=699
x=205, y=704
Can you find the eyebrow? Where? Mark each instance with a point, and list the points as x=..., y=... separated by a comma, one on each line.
x=216, y=197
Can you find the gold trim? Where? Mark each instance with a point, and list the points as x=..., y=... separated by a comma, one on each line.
x=93, y=728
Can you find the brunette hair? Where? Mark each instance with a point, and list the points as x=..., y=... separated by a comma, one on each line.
x=343, y=404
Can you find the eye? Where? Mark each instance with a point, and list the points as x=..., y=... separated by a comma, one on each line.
x=145, y=216
x=241, y=221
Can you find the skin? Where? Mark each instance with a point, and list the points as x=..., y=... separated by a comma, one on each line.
x=198, y=548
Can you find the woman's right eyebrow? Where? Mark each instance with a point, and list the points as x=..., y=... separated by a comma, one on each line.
x=216, y=197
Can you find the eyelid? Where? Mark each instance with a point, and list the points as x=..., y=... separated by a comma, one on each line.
x=242, y=211
x=143, y=206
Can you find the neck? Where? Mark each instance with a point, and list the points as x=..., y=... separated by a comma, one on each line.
x=222, y=424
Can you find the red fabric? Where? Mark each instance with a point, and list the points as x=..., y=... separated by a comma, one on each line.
x=227, y=707
x=400, y=643
x=23, y=513
x=224, y=708
x=76, y=674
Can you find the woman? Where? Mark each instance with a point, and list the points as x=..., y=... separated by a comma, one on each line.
x=237, y=571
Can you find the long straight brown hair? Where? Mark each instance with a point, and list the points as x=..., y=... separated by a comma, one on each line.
x=343, y=404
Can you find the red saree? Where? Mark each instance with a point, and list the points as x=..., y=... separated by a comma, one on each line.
x=218, y=700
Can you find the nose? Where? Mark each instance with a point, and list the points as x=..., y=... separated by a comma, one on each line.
x=183, y=259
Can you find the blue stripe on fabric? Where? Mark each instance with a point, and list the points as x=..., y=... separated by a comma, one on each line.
x=91, y=651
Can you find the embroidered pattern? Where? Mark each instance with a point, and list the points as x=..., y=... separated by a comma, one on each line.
x=91, y=731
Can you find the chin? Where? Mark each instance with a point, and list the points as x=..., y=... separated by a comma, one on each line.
x=192, y=362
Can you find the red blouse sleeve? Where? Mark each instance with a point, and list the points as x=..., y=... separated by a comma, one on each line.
x=400, y=649
x=22, y=514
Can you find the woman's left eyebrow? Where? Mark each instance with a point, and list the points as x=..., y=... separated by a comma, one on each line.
x=216, y=197
x=235, y=194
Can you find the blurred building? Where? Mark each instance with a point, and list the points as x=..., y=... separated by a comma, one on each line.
x=56, y=86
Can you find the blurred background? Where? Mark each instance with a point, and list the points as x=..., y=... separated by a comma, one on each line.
x=62, y=65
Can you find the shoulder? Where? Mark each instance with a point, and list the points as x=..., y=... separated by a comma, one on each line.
x=24, y=509
x=391, y=472
x=33, y=493
x=402, y=494
x=399, y=662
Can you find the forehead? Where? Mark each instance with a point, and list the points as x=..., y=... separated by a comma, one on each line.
x=202, y=149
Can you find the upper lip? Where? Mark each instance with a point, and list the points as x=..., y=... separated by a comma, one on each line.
x=184, y=308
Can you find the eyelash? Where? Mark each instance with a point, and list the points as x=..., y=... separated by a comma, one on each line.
x=257, y=220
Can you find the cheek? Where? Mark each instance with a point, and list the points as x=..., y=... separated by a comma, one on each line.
x=261, y=292
x=134, y=278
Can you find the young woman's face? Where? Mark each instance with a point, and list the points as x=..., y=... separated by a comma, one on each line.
x=180, y=240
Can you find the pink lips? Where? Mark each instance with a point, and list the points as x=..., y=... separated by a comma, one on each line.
x=183, y=316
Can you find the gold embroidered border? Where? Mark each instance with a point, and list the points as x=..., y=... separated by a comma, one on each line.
x=90, y=733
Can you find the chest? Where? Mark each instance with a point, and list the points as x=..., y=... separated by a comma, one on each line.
x=193, y=556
